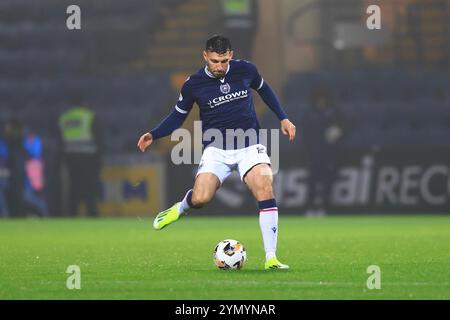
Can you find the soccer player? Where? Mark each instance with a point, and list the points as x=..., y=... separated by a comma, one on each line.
x=222, y=92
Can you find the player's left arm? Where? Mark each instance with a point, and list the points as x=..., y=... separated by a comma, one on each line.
x=269, y=98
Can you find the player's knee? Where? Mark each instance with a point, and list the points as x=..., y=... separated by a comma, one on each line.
x=264, y=192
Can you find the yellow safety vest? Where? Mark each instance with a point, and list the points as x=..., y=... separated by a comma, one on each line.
x=76, y=128
x=236, y=7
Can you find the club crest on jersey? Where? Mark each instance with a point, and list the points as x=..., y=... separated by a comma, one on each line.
x=225, y=88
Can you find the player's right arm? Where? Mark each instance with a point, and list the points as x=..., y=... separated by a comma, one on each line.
x=172, y=122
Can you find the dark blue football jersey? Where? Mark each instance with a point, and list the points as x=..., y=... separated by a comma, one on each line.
x=225, y=103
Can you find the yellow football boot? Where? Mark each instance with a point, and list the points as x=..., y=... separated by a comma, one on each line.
x=273, y=263
x=166, y=217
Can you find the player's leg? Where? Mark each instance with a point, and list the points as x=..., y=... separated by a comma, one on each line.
x=259, y=179
x=205, y=187
x=211, y=174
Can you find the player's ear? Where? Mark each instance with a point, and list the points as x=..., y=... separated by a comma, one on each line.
x=205, y=56
x=231, y=54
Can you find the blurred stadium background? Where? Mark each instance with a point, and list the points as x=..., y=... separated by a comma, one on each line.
x=130, y=59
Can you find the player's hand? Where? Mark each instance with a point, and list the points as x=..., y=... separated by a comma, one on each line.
x=288, y=129
x=145, y=141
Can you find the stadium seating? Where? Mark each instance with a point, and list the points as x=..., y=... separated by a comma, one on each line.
x=381, y=107
x=40, y=79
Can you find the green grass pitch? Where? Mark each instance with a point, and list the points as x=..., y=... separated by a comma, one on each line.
x=124, y=258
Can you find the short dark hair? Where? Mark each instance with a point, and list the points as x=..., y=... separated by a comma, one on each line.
x=218, y=44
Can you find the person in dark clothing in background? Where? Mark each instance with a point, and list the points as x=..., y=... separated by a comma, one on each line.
x=80, y=145
x=34, y=196
x=323, y=132
x=16, y=165
x=4, y=174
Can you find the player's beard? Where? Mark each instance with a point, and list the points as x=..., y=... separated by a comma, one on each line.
x=220, y=74
x=217, y=74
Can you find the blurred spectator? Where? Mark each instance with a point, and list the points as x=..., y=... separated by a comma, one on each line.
x=4, y=175
x=80, y=146
x=16, y=165
x=323, y=131
x=34, y=175
x=239, y=19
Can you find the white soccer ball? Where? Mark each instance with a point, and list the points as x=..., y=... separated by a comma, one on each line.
x=229, y=254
